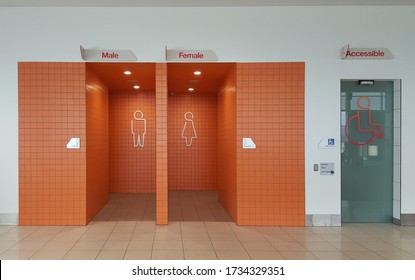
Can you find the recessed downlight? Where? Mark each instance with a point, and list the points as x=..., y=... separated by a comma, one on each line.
x=127, y=72
x=136, y=87
x=190, y=89
x=197, y=73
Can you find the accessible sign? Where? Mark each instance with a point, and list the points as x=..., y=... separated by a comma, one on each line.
x=365, y=53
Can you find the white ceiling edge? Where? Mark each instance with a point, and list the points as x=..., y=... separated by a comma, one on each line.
x=199, y=3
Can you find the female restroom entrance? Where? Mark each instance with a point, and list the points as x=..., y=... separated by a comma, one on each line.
x=370, y=117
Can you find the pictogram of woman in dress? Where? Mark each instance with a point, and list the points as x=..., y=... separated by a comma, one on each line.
x=189, y=131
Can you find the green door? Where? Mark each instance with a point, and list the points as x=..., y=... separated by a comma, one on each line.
x=367, y=151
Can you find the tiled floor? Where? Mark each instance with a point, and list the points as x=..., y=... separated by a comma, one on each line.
x=183, y=206
x=199, y=228
x=206, y=240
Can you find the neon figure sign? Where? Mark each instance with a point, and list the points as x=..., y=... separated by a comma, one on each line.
x=377, y=130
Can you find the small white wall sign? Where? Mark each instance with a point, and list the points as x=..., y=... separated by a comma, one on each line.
x=74, y=143
x=248, y=143
x=365, y=53
x=327, y=168
x=327, y=143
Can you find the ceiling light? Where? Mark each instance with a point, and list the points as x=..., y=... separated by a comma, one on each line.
x=197, y=73
x=136, y=87
x=127, y=72
x=191, y=89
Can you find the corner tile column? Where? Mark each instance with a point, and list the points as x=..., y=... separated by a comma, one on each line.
x=162, y=210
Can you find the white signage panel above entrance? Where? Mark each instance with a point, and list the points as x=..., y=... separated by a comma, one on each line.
x=365, y=53
x=107, y=55
x=190, y=55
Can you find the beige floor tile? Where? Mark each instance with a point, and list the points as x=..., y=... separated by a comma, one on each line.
x=28, y=246
x=111, y=255
x=395, y=255
x=406, y=245
x=115, y=245
x=140, y=245
x=318, y=246
x=227, y=245
x=167, y=236
x=49, y=255
x=363, y=255
x=58, y=246
x=292, y=255
x=168, y=245
x=118, y=236
x=89, y=245
x=265, y=255
x=283, y=237
x=200, y=255
x=197, y=245
x=7, y=244
x=143, y=236
x=17, y=255
x=217, y=227
x=288, y=246
x=95, y=236
x=250, y=236
x=81, y=255
x=331, y=255
x=145, y=226
x=193, y=227
x=195, y=236
x=345, y=246
x=167, y=255
x=125, y=226
x=171, y=227
x=232, y=255
x=137, y=255
x=222, y=236
x=257, y=246
x=378, y=246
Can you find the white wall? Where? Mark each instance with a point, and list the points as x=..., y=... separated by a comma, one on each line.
x=310, y=34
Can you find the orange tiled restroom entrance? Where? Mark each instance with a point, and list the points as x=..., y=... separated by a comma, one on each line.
x=161, y=140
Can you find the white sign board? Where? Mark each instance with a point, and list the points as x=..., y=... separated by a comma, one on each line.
x=107, y=55
x=190, y=55
x=74, y=143
x=365, y=53
x=327, y=168
x=248, y=143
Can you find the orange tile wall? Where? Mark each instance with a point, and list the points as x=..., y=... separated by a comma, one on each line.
x=97, y=144
x=132, y=170
x=270, y=110
x=226, y=149
x=193, y=167
x=162, y=206
x=52, y=178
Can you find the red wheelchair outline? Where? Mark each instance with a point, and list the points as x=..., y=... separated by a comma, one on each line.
x=374, y=132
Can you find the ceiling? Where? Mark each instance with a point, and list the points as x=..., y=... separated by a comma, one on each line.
x=181, y=76
x=200, y=3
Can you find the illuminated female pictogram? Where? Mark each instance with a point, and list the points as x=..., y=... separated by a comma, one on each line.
x=376, y=129
x=189, y=131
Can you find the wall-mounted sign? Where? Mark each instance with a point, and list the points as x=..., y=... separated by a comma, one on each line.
x=190, y=55
x=327, y=168
x=74, y=143
x=248, y=143
x=365, y=53
x=107, y=55
x=327, y=143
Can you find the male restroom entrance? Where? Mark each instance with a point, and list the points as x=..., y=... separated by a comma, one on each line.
x=264, y=102
x=370, y=151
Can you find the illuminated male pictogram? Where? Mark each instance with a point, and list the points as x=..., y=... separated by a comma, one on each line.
x=189, y=131
x=138, y=129
x=375, y=129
